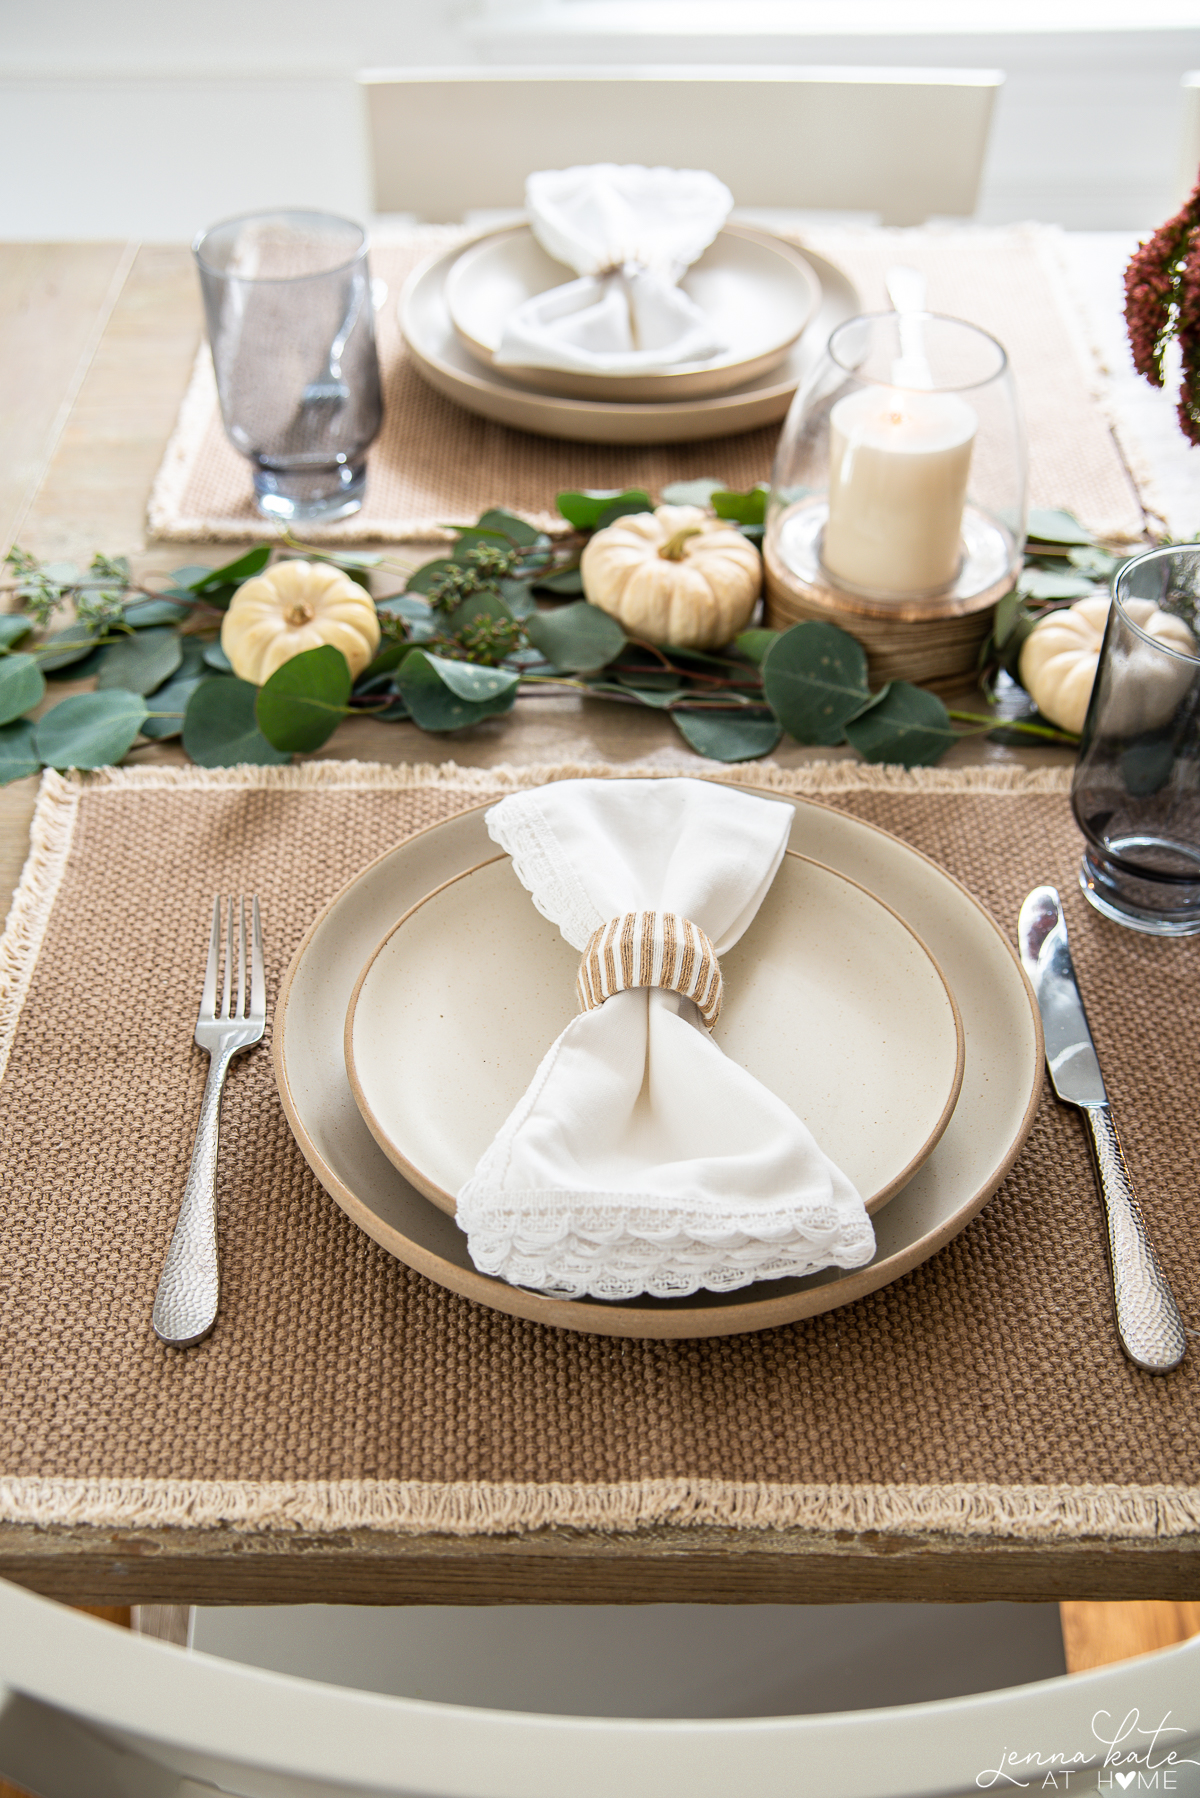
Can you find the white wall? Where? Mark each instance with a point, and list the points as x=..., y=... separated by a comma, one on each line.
x=152, y=118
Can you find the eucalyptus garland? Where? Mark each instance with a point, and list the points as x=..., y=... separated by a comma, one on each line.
x=500, y=616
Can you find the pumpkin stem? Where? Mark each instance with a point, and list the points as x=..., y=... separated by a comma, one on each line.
x=672, y=549
x=300, y=613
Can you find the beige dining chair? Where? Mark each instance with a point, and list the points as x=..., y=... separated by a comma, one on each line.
x=903, y=143
x=90, y=1711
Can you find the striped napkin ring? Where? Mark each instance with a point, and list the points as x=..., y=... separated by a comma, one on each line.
x=651, y=948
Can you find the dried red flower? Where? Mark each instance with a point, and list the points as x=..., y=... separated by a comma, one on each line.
x=1162, y=302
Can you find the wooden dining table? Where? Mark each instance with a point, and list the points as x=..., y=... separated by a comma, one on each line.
x=97, y=342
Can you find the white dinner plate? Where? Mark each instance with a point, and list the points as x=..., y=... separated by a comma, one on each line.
x=830, y=1000
x=757, y=291
x=448, y=366
x=1001, y=1081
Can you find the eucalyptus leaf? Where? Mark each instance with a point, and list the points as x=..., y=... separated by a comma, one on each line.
x=61, y=574
x=18, y=757
x=815, y=679
x=658, y=698
x=726, y=736
x=418, y=614
x=485, y=604
x=1096, y=561
x=22, y=685
x=215, y=657
x=654, y=680
x=691, y=493
x=517, y=596
x=1038, y=583
x=421, y=579
x=304, y=701
x=754, y=644
x=66, y=647
x=471, y=681
x=169, y=704
x=389, y=658
x=141, y=662
x=1146, y=765
x=89, y=730
x=472, y=536
x=742, y=508
x=576, y=638
x=186, y=579
x=232, y=574
x=433, y=705
x=566, y=584
x=903, y=724
x=220, y=728
x=13, y=627
x=1050, y=526
x=585, y=510
x=522, y=533
x=155, y=611
x=392, y=713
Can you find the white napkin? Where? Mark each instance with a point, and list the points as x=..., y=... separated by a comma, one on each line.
x=630, y=234
x=642, y=1159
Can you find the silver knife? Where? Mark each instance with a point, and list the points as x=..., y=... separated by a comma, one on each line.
x=1148, y=1320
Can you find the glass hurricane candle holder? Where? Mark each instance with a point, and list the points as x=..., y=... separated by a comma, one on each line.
x=897, y=504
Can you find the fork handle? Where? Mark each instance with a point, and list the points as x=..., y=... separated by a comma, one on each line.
x=1148, y=1320
x=185, y=1305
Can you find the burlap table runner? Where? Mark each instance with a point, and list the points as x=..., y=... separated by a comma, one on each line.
x=436, y=464
x=982, y=1393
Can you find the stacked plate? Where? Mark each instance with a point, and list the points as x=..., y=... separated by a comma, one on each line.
x=871, y=993
x=773, y=307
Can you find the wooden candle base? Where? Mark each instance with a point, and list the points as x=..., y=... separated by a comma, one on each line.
x=931, y=642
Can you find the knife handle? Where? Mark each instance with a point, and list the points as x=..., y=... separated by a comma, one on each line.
x=1148, y=1320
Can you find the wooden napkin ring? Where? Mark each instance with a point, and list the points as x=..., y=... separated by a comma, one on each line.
x=651, y=948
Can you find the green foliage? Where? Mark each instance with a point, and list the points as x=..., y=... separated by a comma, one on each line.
x=424, y=683
x=18, y=757
x=304, y=701
x=902, y=724
x=220, y=728
x=727, y=736
x=461, y=640
x=22, y=685
x=815, y=681
x=742, y=508
x=592, y=511
x=578, y=638
x=89, y=730
x=142, y=661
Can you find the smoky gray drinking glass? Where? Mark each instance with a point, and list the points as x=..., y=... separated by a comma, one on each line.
x=287, y=296
x=1136, y=790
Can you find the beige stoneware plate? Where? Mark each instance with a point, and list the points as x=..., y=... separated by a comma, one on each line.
x=448, y=366
x=1001, y=1081
x=830, y=1000
x=757, y=290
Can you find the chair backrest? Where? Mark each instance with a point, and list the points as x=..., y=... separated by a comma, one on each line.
x=905, y=143
x=87, y=1708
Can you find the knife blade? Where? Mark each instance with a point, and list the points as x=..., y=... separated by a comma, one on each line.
x=1148, y=1321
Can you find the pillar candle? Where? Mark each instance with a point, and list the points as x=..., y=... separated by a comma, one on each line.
x=898, y=479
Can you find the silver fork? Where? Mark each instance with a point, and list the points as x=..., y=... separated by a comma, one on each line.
x=185, y=1306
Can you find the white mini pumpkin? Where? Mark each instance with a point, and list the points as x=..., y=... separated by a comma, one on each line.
x=674, y=576
x=296, y=606
x=1060, y=656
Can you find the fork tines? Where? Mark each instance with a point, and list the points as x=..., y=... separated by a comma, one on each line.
x=234, y=1000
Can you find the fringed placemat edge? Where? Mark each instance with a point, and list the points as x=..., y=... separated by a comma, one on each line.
x=811, y=777
x=475, y=1508
x=50, y=835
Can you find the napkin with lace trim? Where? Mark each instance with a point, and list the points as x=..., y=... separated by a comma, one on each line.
x=641, y=1159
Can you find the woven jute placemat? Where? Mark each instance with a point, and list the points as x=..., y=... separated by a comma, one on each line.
x=984, y=1393
x=435, y=464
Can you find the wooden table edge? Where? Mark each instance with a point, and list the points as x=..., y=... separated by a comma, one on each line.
x=92, y=1564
